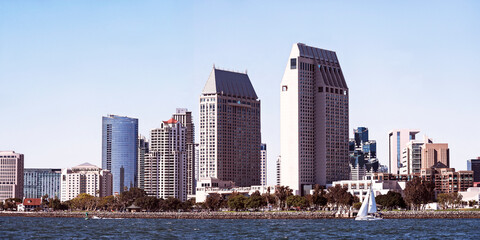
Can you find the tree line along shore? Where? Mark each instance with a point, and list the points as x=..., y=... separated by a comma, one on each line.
x=320, y=204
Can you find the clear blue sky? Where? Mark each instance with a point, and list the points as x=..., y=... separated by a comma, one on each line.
x=65, y=64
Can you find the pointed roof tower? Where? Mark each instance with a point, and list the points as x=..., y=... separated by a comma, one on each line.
x=229, y=83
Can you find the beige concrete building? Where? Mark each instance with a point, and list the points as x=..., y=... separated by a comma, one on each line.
x=85, y=178
x=165, y=164
x=314, y=117
x=11, y=175
x=230, y=129
x=435, y=152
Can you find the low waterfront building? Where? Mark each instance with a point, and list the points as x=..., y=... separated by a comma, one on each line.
x=447, y=179
x=360, y=188
x=85, y=178
x=472, y=193
x=41, y=181
x=208, y=186
x=11, y=175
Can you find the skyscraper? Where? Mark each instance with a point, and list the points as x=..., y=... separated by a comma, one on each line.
x=165, y=164
x=143, y=148
x=313, y=119
x=11, y=175
x=230, y=129
x=397, y=141
x=119, y=150
x=41, y=181
x=363, y=154
x=435, y=152
x=474, y=165
x=185, y=118
x=263, y=164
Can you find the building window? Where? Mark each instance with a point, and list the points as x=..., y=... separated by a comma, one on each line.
x=293, y=63
x=284, y=88
x=320, y=89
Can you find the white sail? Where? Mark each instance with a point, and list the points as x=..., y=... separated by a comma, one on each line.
x=364, y=208
x=372, y=206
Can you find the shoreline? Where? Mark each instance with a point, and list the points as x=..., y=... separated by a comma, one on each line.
x=246, y=215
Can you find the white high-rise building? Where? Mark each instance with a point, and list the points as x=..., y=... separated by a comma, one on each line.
x=313, y=119
x=11, y=175
x=165, y=164
x=279, y=162
x=263, y=164
x=397, y=141
x=85, y=178
x=230, y=129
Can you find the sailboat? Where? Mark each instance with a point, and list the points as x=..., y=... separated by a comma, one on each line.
x=368, y=209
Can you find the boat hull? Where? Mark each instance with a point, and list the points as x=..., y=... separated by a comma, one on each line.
x=368, y=218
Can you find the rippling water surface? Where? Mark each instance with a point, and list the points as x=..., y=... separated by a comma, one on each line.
x=78, y=228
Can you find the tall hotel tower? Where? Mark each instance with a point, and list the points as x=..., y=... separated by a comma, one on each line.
x=397, y=141
x=185, y=118
x=313, y=119
x=119, y=150
x=165, y=164
x=230, y=129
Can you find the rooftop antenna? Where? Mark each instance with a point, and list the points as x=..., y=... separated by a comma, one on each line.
x=246, y=71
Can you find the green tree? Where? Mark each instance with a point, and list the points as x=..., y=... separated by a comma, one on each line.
x=357, y=205
x=391, y=200
x=127, y=198
x=296, y=201
x=236, y=202
x=213, y=201
x=256, y=201
x=319, y=198
x=281, y=194
x=148, y=203
x=418, y=193
x=339, y=196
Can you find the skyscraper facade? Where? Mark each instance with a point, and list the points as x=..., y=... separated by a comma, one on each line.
x=41, y=181
x=143, y=148
x=120, y=151
x=411, y=158
x=397, y=141
x=263, y=164
x=435, y=152
x=474, y=165
x=230, y=129
x=185, y=118
x=165, y=164
x=11, y=175
x=363, y=154
x=313, y=119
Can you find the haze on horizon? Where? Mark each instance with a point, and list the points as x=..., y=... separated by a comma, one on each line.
x=65, y=64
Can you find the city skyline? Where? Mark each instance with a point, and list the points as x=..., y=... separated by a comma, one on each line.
x=59, y=71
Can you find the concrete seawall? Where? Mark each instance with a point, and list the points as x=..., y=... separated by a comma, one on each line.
x=245, y=215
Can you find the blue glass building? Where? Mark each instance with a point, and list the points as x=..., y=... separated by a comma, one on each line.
x=119, y=150
x=40, y=181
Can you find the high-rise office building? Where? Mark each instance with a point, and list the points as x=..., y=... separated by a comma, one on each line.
x=363, y=154
x=41, y=181
x=474, y=165
x=120, y=151
x=313, y=119
x=11, y=175
x=397, y=141
x=411, y=158
x=165, y=164
x=143, y=148
x=185, y=118
x=263, y=164
x=279, y=162
x=85, y=178
x=435, y=152
x=197, y=163
x=230, y=129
